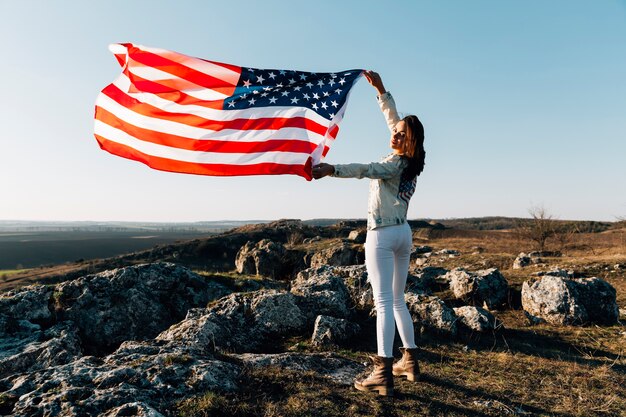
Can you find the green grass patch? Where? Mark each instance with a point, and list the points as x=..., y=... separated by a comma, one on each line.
x=7, y=273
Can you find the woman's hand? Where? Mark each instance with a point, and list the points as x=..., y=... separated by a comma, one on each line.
x=322, y=170
x=374, y=79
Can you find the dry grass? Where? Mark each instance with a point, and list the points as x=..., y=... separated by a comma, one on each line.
x=455, y=382
x=525, y=370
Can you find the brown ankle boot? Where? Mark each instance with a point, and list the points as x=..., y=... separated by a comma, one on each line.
x=381, y=378
x=408, y=366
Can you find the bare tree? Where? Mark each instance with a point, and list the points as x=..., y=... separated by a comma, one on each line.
x=540, y=227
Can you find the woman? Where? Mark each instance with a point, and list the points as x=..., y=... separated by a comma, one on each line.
x=389, y=239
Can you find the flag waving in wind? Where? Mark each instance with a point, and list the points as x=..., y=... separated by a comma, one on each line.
x=183, y=114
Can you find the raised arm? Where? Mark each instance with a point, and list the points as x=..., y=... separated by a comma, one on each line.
x=385, y=100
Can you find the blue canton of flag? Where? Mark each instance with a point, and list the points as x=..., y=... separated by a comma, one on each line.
x=324, y=93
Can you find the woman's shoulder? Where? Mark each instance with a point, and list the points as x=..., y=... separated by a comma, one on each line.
x=393, y=157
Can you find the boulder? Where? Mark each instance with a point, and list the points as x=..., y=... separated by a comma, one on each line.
x=358, y=236
x=425, y=279
x=485, y=287
x=333, y=291
x=337, y=255
x=265, y=258
x=321, y=291
x=476, y=318
x=333, y=331
x=129, y=303
x=560, y=300
x=522, y=261
x=432, y=314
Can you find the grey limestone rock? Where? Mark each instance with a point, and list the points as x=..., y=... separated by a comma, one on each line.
x=432, y=314
x=131, y=303
x=532, y=258
x=321, y=291
x=27, y=351
x=522, y=261
x=265, y=258
x=560, y=300
x=358, y=236
x=340, y=254
x=28, y=303
x=476, y=318
x=239, y=322
x=485, y=287
x=333, y=331
x=423, y=280
x=144, y=376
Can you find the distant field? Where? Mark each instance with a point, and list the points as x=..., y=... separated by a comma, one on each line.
x=19, y=250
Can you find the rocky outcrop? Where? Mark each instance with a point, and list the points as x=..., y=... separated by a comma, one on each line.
x=239, y=322
x=130, y=303
x=570, y=301
x=110, y=307
x=560, y=300
x=265, y=258
x=340, y=254
x=44, y=370
x=137, y=373
x=30, y=349
x=476, y=319
x=333, y=331
x=485, y=287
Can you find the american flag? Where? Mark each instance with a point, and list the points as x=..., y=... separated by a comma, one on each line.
x=183, y=114
x=406, y=189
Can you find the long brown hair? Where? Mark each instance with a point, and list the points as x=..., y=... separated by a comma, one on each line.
x=413, y=147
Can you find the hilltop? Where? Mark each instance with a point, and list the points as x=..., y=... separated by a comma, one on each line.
x=277, y=318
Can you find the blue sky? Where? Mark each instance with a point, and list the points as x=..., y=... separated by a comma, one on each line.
x=523, y=103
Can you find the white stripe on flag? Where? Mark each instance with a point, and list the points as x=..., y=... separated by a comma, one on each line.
x=123, y=83
x=180, y=129
x=177, y=154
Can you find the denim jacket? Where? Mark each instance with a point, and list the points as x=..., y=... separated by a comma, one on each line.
x=389, y=196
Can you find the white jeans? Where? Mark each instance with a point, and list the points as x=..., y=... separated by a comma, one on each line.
x=387, y=253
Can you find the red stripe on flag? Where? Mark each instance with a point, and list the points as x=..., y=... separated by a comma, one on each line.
x=177, y=97
x=332, y=132
x=273, y=123
x=170, y=165
x=202, y=145
x=171, y=67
